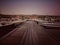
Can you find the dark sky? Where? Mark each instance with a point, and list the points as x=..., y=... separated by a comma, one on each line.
x=29, y=7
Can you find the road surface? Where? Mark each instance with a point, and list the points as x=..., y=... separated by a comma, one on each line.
x=30, y=33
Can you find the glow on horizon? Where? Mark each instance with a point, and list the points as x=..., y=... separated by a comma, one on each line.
x=29, y=8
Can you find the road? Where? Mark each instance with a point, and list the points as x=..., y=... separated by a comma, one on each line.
x=30, y=33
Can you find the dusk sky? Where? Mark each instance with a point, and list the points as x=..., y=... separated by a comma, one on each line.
x=29, y=7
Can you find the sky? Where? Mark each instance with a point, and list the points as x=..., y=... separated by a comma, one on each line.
x=29, y=7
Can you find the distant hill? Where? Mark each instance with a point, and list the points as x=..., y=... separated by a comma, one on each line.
x=34, y=15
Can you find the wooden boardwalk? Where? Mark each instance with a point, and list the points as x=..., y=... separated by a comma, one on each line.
x=30, y=33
